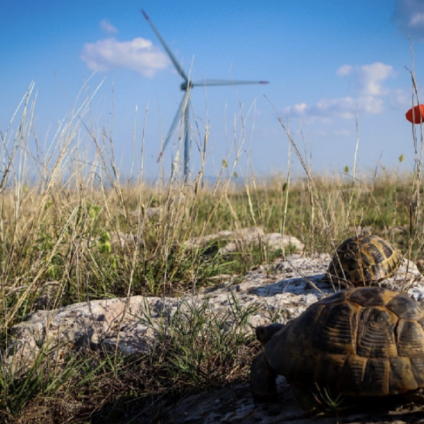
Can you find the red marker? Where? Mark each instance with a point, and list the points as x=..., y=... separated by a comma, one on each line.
x=416, y=115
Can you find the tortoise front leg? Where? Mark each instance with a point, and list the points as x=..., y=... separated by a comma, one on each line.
x=263, y=380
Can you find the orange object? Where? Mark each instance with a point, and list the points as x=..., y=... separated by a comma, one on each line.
x=418, y=114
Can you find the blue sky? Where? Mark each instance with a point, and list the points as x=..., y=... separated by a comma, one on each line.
x=324, y=59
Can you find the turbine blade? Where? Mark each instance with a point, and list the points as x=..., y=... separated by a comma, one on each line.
x=177, y=65
x=179, y=114
x=215, y=82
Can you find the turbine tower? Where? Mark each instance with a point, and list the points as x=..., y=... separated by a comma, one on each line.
x=183, y=111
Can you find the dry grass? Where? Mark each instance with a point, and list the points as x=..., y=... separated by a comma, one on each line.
x=77, y=222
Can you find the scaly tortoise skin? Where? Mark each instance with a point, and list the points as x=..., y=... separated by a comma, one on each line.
x=361, y=342
x=363, y=260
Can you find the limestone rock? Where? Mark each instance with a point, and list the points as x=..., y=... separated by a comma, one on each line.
x=239, y=238
x=278, y=241
x=282, y=291
x=246, y=235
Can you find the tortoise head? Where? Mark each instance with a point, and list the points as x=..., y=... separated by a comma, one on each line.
x=264, y=333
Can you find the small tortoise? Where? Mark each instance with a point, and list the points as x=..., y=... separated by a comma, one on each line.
x=363, y=260
x=362, y=342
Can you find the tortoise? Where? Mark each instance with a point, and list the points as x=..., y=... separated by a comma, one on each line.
x=358, y=343
x=364, y=260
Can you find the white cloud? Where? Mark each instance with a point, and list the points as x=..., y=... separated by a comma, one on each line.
x=370, y=104
x=324, y=110
x=408, y=16
x=300, y=108
x=370, y=78
x=138, y=55
x=344, y=70
x=106, y=26
x=327, y=110
x=370, y=100
x=416, y=20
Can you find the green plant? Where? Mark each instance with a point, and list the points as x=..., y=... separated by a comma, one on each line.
x=202, y=347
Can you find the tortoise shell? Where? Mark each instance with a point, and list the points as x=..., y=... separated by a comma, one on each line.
x=361, y=342
x=363, y=260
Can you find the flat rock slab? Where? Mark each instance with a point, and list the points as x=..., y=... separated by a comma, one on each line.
x=245, y=236
x=283, y=289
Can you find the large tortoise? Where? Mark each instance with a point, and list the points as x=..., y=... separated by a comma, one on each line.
x=356, y=343
x=364, y=260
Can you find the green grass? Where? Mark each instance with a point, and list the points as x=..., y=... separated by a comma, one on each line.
x=65, y=225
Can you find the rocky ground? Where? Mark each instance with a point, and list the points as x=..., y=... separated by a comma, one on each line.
x=235, y=405
x=283, y=289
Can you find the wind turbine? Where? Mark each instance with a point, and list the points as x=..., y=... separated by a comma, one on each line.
x=183, y=110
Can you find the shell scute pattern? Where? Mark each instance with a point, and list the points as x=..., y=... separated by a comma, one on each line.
x=353, y=371
x=410, y=336
x=363, y=260
x=361, y=342
x=375, y=378
x=376, y=337
x=376, y=296
x=336, y=332
x=405, y=308
x=417, y=363
x=402, y=374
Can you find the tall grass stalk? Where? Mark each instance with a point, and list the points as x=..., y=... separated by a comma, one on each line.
x=68, y=217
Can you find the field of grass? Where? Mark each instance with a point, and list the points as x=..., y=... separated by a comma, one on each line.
x=67, y=225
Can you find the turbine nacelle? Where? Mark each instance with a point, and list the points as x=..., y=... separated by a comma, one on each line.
x=185, y=85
